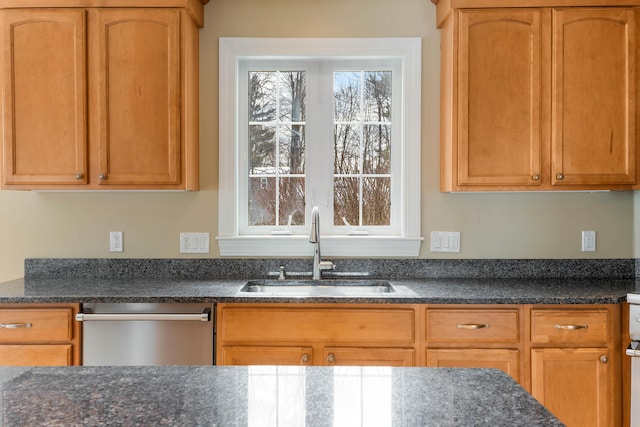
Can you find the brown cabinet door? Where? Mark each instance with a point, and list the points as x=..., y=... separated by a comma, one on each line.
x=35, y=355
x=500, y=91
x=265, y=355
x=343, y=356
x=44, y=97
x=574, y=384
x=138, y=104
x=594, y=96
x=503, y=359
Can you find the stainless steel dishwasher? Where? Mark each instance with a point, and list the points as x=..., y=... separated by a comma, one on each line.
x=147, y=334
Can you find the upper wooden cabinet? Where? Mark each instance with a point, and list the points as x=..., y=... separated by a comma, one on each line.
x=538, y=99
x=100, y=98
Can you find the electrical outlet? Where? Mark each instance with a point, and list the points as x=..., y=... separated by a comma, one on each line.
x=588, y=241
x=115, y=241
x=194, y=243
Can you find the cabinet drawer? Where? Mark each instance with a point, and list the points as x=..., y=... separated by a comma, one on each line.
x=569, y=326
x=472, y=326
x=317, y=324
x=35, y=325
x=35, y=355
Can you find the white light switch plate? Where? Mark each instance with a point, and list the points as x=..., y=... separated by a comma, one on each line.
x=445, y=241
x=194, y=243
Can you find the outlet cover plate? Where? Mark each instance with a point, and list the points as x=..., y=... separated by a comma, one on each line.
x=588, y=241
x=445, y=241
x=194, y=243
x=115, y=241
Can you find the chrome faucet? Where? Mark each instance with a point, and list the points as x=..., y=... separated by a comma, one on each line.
x=314, y=238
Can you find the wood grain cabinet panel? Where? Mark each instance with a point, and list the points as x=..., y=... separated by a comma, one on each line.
x=507, y=360
x=316, y=334
x=44, y=97
x=539, y=98
x=100, y=98
x=39, y=335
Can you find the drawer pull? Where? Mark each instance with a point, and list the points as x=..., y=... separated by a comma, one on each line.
x=15, y=325
x=571, y=327
x=304, y=358
x=472, y=325
x=331, y=358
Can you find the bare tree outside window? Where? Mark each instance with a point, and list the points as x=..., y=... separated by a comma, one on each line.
x=362, y=148
x=276, y=147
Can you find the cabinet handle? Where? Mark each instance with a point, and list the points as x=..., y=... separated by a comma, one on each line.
x=472, y=325
x=78, y=176
x=304, y=358
x=536, y=177
x=571, y=327
x=102, y=176
x=331, y=358
x=15, y=325
x=560, y=177
x=604, y=358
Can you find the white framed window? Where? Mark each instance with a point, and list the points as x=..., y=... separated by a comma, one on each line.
x=333, y=123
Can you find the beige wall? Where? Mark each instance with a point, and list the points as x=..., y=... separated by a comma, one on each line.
x=36, y=224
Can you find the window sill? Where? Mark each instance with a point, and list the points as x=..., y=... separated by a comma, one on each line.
x=340, y=246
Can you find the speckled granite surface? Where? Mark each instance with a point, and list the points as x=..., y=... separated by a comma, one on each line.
x=231, y=268
x=415, y=281
x=416, y=291
x=239, y=396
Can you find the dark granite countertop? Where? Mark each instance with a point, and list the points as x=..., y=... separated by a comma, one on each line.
x=416, y=291
x=416, y=281
x=239, y=396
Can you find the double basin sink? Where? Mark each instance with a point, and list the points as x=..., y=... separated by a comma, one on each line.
x=311, y=288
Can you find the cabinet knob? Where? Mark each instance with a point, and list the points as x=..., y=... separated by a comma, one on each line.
x=560, y=177
x=78, y=176
x=604, y=358
x=304, y=358
x=536, y=177
x=102, y=176
x=331, y=358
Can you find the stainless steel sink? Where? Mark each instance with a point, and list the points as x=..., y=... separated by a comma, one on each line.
x=310, y=288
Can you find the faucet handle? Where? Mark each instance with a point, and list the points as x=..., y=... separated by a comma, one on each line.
x=282, y=273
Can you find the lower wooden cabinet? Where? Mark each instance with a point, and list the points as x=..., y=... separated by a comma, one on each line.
x=507, y=360
x=574, y=384
x=39, y=335
x=316, y=334
x=576, y=362
x=567, y=356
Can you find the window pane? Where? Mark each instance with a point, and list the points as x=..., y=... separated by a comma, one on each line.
x=262, y=96
x=377, y=149
x=377, y=96
x=292, y=96
x=346, y=201
x=292, y=201
x=276, y=148
x=262, y=201
x=362, y=147
x=346, y=149
x=262, y=149
x=376, y=201
x=291, y=146
x=347, y=91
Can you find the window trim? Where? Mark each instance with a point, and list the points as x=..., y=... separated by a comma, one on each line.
x=231, y=243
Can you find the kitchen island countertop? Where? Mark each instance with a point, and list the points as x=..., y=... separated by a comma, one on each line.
x=408, y=291
x=289, y=395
